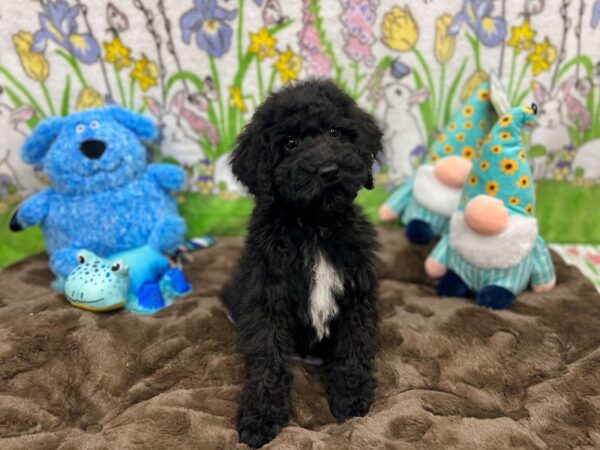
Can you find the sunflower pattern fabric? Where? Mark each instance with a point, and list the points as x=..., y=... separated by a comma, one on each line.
x=465, y=133
x=462, y=137
x=502, y=170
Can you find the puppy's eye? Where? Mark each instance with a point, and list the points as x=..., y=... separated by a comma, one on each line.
x=115, y=267
x=81, y=259
x=80, y=128
x=94, y=125
x=334, y=133
x=291, y=144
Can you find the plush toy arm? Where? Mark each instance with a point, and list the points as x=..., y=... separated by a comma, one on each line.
x=435, y=265
x=32, y=211
x=63, y=261
x=397, y=202
x=543, y=277
x=169, y=176
x=167, y=234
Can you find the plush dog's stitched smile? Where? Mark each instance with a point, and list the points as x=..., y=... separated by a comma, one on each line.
x=99, y=168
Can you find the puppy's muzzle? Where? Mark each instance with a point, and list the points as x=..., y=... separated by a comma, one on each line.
x=92, y=148
x=329, y=172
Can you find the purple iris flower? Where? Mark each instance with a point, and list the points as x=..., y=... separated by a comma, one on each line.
x=58, y=24
x=399, y=70
x=491, y=31
x=596, y=14
x=207, y=21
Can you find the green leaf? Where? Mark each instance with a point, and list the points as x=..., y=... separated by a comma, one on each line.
x=66, y=97
x=424, y=107
x=72, y=61
x=452, y=91
x=584, y=60
x=23, y=91
x=184, y=75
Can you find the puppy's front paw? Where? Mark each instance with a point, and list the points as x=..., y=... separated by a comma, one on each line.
x=348, y=404
x=256, y=430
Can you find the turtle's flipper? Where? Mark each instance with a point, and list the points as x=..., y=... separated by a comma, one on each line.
x=149, y=298
x=174, y=284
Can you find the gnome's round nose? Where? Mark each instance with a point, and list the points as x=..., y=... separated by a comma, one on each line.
x=486, y=215
x=452, y=171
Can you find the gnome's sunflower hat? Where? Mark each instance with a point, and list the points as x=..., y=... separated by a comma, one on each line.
x=502, y=170
x=467, y=129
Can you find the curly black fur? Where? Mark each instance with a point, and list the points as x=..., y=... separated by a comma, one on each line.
x=305, y=155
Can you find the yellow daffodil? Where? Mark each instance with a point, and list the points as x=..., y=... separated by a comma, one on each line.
x=116, y=53
x=521, y=38
x=262, y=44
x=399, y=29
x=288, y=64
x=88, y=98
x=445, y=44
x=235, y=98
x=34, y=64
x=542, y=57
x=145, y=72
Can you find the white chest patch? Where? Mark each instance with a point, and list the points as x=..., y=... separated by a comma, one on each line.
x=323, y=308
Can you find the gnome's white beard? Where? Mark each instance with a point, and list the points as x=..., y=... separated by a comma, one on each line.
x=501, y=251
x=434, y=195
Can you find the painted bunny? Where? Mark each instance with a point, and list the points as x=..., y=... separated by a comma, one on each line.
x=586, y=164
x=183, y=126
x=224, y=176
x=551, y=132
x=403, y=131
x=12, y=123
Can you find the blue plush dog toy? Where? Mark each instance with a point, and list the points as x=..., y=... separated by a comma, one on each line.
x=103, y=195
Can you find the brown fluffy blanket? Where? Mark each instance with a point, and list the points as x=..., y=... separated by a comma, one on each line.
x=449, y=374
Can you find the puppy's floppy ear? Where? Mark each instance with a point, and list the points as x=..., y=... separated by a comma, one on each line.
x=40, y=140
x=368, y=137
x=143, y=128
x=248, y=158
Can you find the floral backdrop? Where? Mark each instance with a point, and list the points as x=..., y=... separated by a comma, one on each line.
x=200, y=67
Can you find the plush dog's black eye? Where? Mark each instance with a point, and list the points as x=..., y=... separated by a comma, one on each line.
x=115, y=267
x=291, y=144
x=334, y=133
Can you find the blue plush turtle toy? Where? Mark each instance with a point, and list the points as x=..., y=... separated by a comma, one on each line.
x=140, y=280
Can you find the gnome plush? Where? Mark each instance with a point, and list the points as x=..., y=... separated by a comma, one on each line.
x=493, y=248
x=427, y=200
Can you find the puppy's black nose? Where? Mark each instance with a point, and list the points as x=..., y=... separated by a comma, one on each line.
x=329, y=172
x=92, y=148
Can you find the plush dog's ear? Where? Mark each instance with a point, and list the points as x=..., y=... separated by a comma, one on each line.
x=144, y=128
x=40, y=140
x=368, y=137
x=247, y=160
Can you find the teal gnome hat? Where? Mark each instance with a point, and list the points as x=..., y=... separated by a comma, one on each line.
x=502, y=170
x=467, y=129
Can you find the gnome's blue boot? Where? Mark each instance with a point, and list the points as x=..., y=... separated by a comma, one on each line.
x=419, y=232
x=494, y=297
x=451, y=285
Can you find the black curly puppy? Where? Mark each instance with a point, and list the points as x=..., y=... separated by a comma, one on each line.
x=306, y=283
